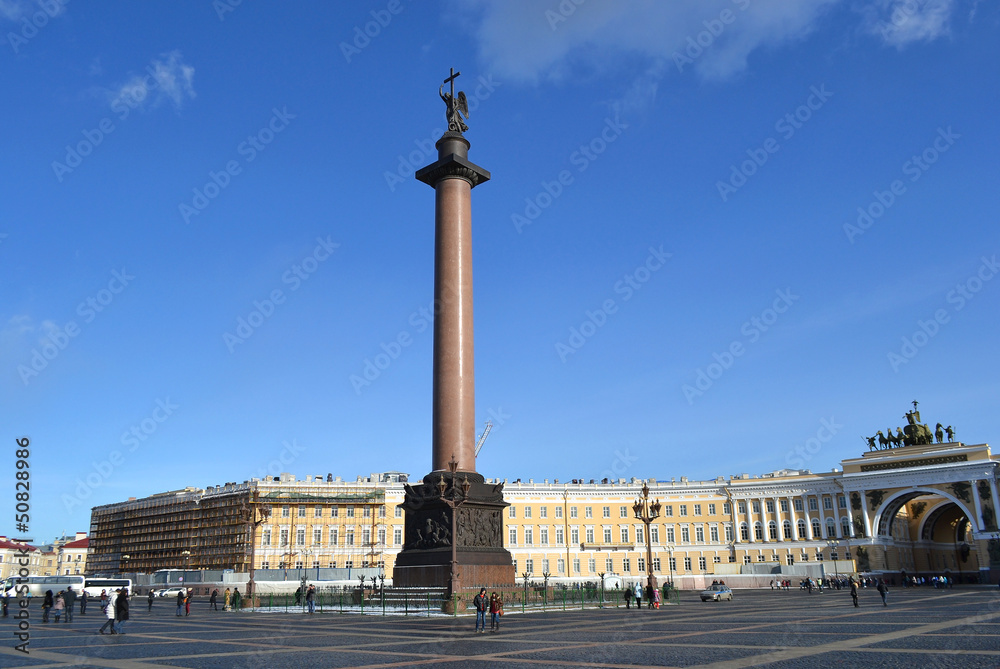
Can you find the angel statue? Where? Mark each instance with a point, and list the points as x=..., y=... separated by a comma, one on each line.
x=457, y=107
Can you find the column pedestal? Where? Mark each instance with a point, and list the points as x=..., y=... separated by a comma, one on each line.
x=425, y=560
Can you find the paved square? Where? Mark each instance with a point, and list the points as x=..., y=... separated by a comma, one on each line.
x=920, y=628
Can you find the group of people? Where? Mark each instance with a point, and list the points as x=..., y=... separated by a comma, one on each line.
x=310, y=595
x=881, y=586
x=232, y=601
x=115, y=609
x=59, y=604
x=637, y=592
x=492, y=603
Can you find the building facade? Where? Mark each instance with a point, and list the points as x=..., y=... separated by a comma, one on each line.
x=923, y=510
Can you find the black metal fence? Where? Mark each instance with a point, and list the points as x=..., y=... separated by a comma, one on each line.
x=435, y=601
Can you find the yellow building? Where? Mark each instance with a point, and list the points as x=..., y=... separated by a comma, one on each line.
x=72, y=557
x=13, y=555
x=925, y=510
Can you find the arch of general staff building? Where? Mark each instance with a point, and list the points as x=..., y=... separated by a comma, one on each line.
x=927, y=508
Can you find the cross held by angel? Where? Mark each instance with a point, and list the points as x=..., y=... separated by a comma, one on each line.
x=457, y=107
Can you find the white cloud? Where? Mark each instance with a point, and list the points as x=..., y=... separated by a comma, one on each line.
x=901, y=22
x=556, y=40
x=15, y=10
x=529, y=40
x=166, y=78
x=21, y=329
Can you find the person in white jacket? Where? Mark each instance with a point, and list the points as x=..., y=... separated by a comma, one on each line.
x=110, y=612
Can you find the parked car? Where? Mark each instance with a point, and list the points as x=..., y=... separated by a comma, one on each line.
x=168, y=592
x=717, y=593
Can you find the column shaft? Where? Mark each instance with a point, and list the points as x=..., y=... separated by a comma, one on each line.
x=454, y=402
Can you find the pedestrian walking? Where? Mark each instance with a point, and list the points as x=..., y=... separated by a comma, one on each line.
x=149, y=601
x=121, y=610
x=225, y=602
x=649, y=596
x=83, y=602
x=180, y=602
x=47, y=604
x=496, y=610
x=237, y=599
x=109, y=612
x=59, y=605
x=298, y=595
x=482, y=604
x=656, y=598
x=638, y=595
x=883, y=590
x=104, y=600
x=854, y=593
x=213, y=601
x=311, y=599
x=187, y=603
x=70, y=598
x=5, y=603
x=628, y=598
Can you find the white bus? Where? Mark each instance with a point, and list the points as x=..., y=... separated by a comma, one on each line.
x=94, y=586
x=38, y=585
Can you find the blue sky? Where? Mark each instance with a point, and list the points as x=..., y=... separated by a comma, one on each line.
x=715, y=231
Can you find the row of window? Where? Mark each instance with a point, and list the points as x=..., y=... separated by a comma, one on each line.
x=624, y=533
x=796, y=504
x=786, y=530
x=333, y=535
x=333, y=511
x=588, y=511
x=687, y=562
x=332, y=564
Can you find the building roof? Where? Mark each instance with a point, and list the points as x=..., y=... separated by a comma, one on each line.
x=5, y=544
x=82, y=543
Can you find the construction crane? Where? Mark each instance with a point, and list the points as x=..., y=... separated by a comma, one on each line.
x=482, y=437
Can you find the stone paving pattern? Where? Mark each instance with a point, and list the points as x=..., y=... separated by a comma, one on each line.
x=920, y=628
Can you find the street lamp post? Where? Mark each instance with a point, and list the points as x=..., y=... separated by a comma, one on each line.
x=834, y=546
x=254, y=515
x=647, y=513
x=125, y=559
x=670, y=563
x=459, y=496
x=187, y=556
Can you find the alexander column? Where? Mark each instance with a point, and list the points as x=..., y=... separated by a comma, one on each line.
x=454, y=520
